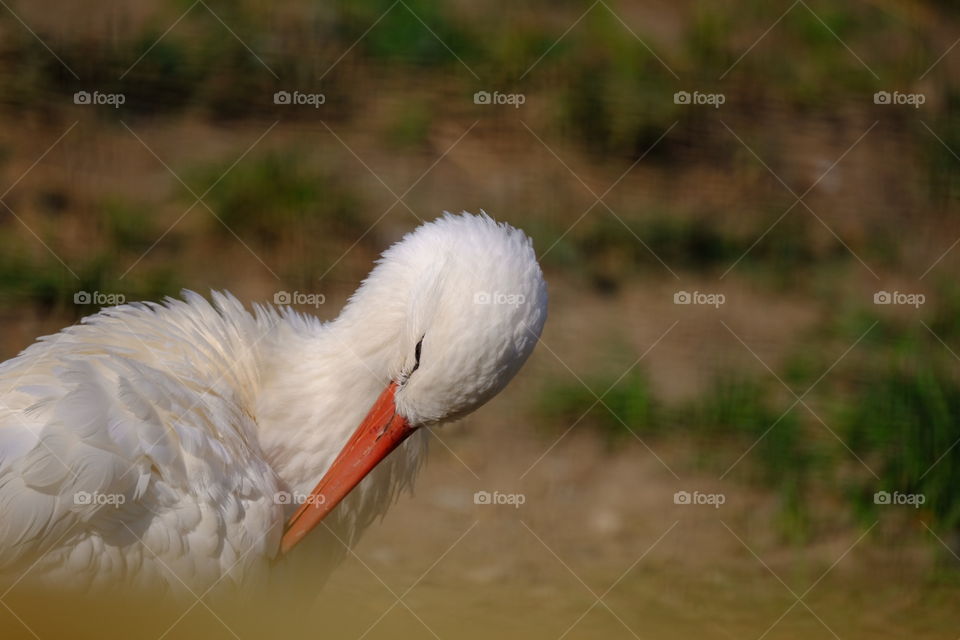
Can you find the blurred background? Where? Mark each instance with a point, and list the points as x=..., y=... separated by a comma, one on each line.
x=743, y=418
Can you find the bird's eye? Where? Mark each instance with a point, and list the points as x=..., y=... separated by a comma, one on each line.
x=416, y=355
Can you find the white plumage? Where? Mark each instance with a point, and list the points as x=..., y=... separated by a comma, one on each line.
x=154, y=444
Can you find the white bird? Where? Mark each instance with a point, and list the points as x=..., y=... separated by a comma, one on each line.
x=169, y=444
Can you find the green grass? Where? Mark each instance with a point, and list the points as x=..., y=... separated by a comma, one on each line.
x=608, y=251
x=627, y=405
x=905, y=419
x=736, y=415
x=41, y=281
x=899, y=410
x=402, y=37
x=939, y=152
x=409, y=125
x=127, y=224
x=278, y=196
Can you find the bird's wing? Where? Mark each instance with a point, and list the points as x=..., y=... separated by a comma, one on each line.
x=130, y=438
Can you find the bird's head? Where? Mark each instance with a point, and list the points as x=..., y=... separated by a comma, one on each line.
x=458, y=305
x=475, y=303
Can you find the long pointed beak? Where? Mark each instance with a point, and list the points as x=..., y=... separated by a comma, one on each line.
x=381, y=432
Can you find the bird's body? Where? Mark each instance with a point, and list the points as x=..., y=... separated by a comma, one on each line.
x=132, y=437
x=168, y=444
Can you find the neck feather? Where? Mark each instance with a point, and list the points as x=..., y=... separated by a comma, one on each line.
x=318, y=381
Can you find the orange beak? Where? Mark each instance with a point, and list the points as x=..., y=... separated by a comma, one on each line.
x=381, y=432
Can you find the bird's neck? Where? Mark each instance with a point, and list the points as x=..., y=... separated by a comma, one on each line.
x=317, y=384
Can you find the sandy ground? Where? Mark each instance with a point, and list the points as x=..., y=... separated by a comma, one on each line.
x=598, y=549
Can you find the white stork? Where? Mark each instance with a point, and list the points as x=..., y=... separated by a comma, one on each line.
x=181, y=444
